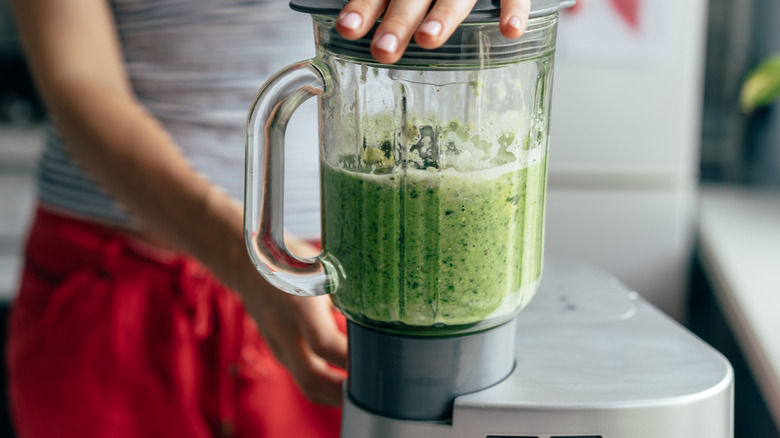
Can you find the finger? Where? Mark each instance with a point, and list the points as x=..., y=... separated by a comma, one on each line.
x=357, y=17
x=398, y=24
x=321, y=332
x=318, y=381
x=441, y=22
x=514, y=17
x=275, y=318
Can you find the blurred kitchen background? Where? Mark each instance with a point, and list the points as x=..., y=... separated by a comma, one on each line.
x=656, y=174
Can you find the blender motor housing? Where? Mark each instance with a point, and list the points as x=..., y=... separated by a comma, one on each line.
x=593, y=360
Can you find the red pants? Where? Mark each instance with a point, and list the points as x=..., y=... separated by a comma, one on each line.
x=110, y=340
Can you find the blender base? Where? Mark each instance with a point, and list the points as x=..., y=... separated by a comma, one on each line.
x=593, y=360
x=418, y=377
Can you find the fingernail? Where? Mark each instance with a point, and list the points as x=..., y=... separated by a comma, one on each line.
x=387, y=43
x=432, y=28
x=516, y=23
x=351, y=21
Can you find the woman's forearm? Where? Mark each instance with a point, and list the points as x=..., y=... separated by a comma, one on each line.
x=73, y=52
x=130, y=154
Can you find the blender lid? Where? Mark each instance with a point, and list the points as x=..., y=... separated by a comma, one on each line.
x=471, y=46
x=484, y=10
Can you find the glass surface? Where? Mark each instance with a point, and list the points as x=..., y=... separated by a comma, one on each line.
x=433, y=177
x=433, y=186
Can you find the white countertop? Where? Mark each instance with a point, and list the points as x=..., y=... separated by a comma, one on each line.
x=739, y=230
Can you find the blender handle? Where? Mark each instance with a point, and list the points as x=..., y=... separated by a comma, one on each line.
x=271, y=110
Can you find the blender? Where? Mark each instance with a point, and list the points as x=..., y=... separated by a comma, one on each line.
x=433, y=182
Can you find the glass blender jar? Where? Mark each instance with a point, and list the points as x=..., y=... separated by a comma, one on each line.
x=433, y=180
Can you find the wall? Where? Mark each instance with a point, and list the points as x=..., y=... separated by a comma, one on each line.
x=625, y=142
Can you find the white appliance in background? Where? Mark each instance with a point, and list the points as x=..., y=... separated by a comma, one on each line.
x=625, y=135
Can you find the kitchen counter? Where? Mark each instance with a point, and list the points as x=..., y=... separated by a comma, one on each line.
x=739, y=234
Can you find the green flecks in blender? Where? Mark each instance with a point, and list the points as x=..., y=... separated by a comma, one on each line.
x=506, y=140
x=387, y=148
x=427, y=147
x=425, y=248
x=451, y=149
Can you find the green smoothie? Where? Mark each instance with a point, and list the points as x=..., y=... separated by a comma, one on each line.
x=422, y=248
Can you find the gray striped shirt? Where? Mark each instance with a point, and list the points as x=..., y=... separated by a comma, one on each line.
x=196, y=66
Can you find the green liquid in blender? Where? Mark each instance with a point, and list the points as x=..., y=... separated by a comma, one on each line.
x=431, y=248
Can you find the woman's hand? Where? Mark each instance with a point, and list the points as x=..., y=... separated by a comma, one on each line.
x=430, y=26
x=304, y=337
x=301, y=331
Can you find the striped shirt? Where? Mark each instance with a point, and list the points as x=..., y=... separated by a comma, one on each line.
x=196, y=66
